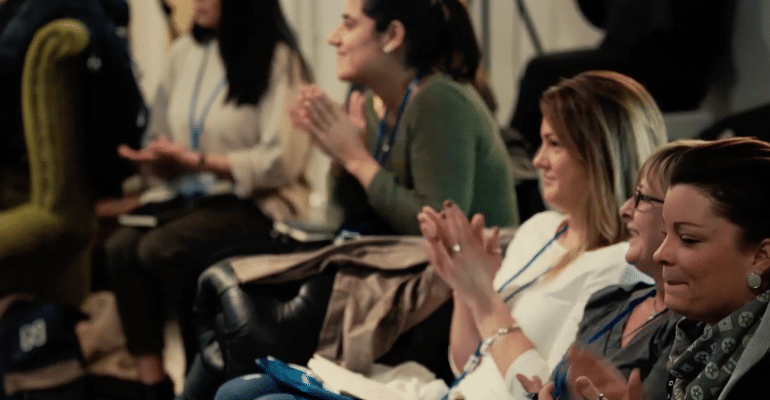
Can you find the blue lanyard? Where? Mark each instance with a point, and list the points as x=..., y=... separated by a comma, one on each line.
x=527, y=265
x=475, y=358
x=196, y=125
x=560, y=372
x=382, y=150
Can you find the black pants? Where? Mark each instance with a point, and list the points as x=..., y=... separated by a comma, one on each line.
x=147, y=265
x=673, y=90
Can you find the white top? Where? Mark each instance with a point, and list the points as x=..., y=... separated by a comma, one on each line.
x=149, y=39
x=264, y=151
x=548, y=311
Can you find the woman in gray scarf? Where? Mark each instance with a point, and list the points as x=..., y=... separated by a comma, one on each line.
x=716, y=273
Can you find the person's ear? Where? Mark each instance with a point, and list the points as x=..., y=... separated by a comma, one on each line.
x=393, y=37
x=761, y=264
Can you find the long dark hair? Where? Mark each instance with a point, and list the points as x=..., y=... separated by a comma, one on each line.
x=248, y=34
x=439, y=33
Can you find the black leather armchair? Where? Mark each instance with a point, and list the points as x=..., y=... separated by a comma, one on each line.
x=237, y=323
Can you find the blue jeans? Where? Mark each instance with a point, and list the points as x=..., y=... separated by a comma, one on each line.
x=253, y=387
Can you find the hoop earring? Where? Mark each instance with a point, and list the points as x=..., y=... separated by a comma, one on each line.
x=754, y=281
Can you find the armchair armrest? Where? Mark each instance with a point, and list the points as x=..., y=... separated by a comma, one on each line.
x=25, y=228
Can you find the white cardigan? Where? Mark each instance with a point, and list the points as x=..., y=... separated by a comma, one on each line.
x=548, y=311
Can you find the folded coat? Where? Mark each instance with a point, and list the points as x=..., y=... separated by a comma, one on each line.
x=384, y=286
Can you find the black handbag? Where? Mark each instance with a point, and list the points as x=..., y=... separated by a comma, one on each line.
x=40, y=355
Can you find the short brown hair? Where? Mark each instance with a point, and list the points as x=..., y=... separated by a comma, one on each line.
x=661, y=164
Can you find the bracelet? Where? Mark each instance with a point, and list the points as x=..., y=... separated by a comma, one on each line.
x=531, y=395
x=500, y=332
x=201, y=161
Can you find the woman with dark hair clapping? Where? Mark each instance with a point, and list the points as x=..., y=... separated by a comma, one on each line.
x=222, y=156
x=437, y=140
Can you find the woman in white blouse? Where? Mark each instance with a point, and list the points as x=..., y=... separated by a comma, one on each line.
x=221, y=146
x=518, y=316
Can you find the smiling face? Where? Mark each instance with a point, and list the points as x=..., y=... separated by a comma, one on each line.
x=207, y=13
x=564, y=179
x=645, y=227
x=704, y=266
x=358, y=45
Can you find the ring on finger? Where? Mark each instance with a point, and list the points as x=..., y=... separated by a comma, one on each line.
x=601, y=396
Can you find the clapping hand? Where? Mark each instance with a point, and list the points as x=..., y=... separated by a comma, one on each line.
x=534, y=385
x=340, y=134
x=591, y=377
x=164, y=158
x=460, y=252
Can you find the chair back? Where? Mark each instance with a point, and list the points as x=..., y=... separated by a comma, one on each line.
x=53, y=117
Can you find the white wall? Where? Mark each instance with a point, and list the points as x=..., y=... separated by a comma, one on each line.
x=149, y=40
x=558, y=22
x=312, y=21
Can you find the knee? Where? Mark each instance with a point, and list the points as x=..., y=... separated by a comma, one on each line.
x=247, y=387
x=120, y=248
x=154, y=249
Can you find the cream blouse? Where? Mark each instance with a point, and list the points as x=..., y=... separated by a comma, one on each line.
x=268, y=157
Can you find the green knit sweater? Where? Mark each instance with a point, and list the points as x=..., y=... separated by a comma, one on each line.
x=448, y=146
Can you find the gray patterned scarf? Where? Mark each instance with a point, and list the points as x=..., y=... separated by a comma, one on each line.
x=703, y=357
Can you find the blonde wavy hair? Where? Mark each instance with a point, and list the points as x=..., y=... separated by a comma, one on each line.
x=610, y=124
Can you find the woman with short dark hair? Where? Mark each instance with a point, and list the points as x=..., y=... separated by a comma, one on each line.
x=716, y=273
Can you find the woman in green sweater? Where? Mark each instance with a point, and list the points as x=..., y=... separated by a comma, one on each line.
x=432, y=139
x=436, y=141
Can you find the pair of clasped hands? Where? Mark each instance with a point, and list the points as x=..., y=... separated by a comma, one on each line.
x=467, y=257
x=339, y=133
x=463, y=253
x=590, y=377
x=163, y=157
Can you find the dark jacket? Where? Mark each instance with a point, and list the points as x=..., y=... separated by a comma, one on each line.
x=686, y=37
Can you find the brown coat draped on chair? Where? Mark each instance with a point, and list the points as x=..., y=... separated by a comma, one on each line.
x=384, y=287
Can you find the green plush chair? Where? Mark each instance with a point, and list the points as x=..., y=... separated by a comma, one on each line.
x=45, y=242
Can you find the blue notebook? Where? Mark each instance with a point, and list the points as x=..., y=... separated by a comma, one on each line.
x=297, y=379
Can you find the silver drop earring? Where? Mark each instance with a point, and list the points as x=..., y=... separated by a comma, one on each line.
x=754, y=280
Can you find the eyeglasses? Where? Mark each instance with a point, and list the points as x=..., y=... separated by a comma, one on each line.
x=638, y=197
